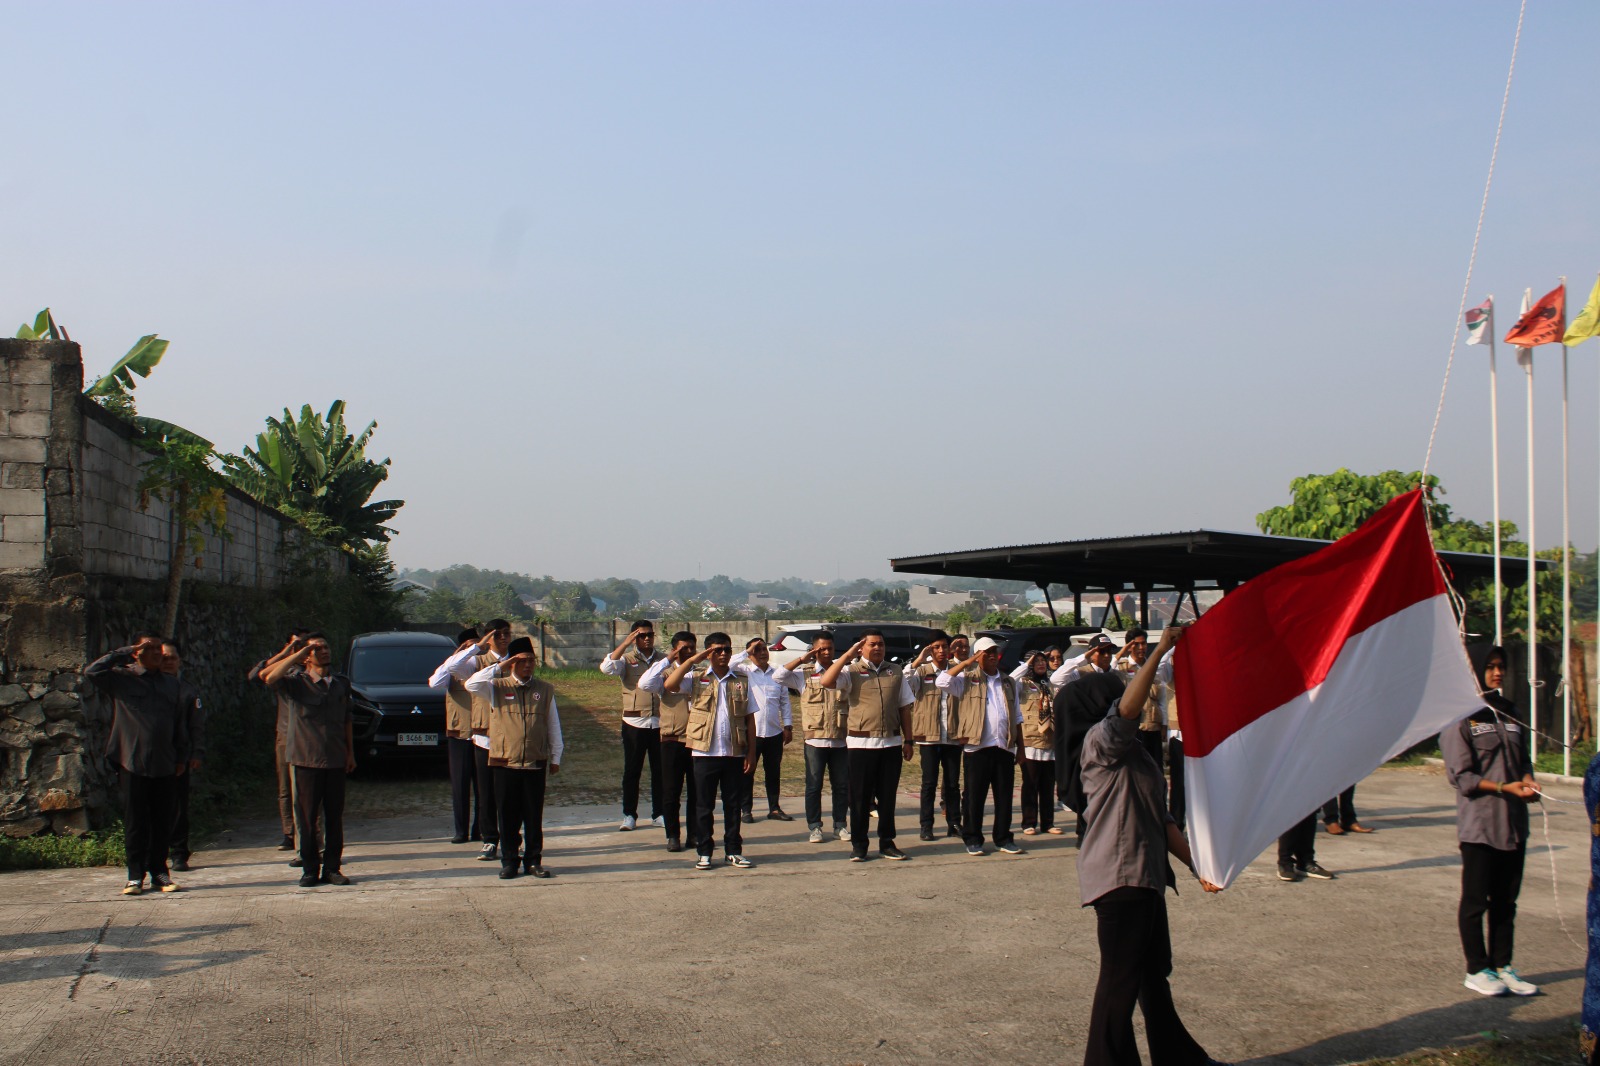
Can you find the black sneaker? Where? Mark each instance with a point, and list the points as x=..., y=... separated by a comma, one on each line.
x=1287, y=872
x=458, y=840
x=953, y=829
x=889, y=851
x=747, y=818
x=780, y=815
x=1314, y=869
x=308, y=881
x=858, y=856
x=295, y=862
x=927, y=834
x=674, y=844
x=181, y=864
x=334, y=877
x=287, y=844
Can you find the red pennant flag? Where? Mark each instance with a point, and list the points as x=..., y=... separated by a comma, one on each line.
x=1543, y=323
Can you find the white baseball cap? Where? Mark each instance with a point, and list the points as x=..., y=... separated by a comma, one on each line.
x=984, y=644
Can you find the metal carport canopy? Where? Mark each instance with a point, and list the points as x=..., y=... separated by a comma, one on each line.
x=1200, y=559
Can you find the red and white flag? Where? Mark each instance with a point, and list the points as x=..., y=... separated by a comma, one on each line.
x=1304, y=680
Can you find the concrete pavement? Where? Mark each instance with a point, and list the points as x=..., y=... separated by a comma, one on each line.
x=628, y=955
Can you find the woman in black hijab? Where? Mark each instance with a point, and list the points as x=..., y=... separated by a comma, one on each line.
x=1487, y=761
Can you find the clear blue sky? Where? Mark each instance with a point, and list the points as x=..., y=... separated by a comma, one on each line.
x=786, y=289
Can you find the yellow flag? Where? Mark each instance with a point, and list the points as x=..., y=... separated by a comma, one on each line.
x=1587, y=324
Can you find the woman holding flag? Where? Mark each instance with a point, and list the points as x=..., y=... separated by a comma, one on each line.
x=1123, y=873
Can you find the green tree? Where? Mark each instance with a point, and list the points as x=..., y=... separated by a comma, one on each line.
x=440, y=605
x=317, y=472
x=959, y=620
x=1328, y=506
x=1005, y=619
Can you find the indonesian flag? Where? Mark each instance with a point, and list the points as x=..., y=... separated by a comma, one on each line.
x=1304, y=680
x=1543, y=323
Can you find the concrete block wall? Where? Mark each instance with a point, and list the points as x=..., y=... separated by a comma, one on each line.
x=123, y=539
x=25, y=401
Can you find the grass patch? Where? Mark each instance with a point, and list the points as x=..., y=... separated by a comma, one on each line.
x=1549, y=762
x=1414, y=756
x=50, y=852
x=1497, y=1051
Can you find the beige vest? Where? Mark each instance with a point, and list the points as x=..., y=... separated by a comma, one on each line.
x=480, y=706
x=824, y=712
x=703, y=710
x=519, y=724
x=972, y=709
x=1038, y=715
x=875, y=700
x=457, y=710
x=925, y=715
x=675, y=709
x=636, y=702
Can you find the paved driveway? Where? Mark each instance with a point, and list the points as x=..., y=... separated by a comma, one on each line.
x=627, y=955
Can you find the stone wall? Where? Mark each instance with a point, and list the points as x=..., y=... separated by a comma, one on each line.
x=83, y=567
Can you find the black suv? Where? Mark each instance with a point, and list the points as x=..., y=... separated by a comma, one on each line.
x=396, y=714
x=1015, y=643
x=904, y=640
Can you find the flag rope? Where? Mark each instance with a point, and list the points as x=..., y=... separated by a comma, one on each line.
x=1472, y=260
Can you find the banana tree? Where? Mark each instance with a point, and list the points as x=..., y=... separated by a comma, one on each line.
x=314, y=469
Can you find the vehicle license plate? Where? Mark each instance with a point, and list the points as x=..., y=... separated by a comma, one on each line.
x=418, y=739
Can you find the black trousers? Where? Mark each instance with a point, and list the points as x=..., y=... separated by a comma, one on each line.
x=988, y=770
x=147, y=823
x=714, y=773
x=488, y=810
x=1490, y=881
x=639, y=745
x=463, y=787
x=836, y=763
x=1177, y=802
x=178, y=845
x=677, y=785
x=519, y=800
x=1298, y=846
x=318, y=791
x=874, y=775
x=1038, y=793
x=769, y=753
x=1155, y=742
x=1135, y=962
x=937, y=758
x=1342, y=809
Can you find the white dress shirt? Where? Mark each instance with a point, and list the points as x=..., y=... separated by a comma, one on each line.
x=998, y=719
x=907, y=698
x=769, y=696
x=481, y=685
x=614, y=668
x=1069, y=670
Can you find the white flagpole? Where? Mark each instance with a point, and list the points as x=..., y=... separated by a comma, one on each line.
x=1525, y=357
x=1566, y=583
x=1494, y=443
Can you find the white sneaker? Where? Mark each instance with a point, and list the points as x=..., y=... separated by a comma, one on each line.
x=659, y=821
x=816, y=835
x=844, y=834
x=1514, y=982
x=629, y=822
x=1485, y=983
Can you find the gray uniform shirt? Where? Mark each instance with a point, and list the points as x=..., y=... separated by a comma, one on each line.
x=1125, y=844
x=1479, y=749
x=318, y=711
x=149, y=733
x=257, y=673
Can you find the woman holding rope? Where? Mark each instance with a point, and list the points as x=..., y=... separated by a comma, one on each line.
x=1487, y=762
